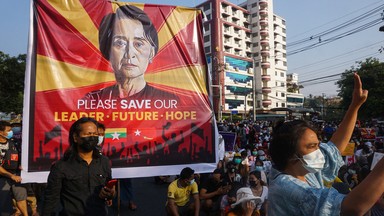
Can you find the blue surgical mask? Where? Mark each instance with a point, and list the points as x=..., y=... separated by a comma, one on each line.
x=259, y=168
x=262, y=158
x=9, y=135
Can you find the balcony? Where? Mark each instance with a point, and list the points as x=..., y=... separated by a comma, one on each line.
x=266, y=102
x=266, y=78
x=265, y=65
x=266, y=90
x=264, y=32
x=264, y=42
x=263, y=22
x=263, y=12
x=263, y=3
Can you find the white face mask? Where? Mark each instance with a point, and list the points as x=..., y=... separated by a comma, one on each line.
x=101, y=139
x=192, y=181
x=314, y=161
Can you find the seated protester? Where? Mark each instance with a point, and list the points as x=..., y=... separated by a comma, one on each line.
x=301, y=162
x=259, y=189
x=252, y=158
x=179, y=192
x=244, y=158
x=259, y=166
x=245, y=204
x=244, y=172
x=211, y=191
x=266, y=163
x=351, y=176
x=228, y=199
x=231, y=175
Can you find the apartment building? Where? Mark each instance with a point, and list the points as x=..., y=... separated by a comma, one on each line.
x=245, y=46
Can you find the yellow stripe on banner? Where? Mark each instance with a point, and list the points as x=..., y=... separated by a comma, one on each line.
x=116, y=4
x=190, y=78
x=177, y=21
x=75, y=14
x=52, y=75
x=118, y=130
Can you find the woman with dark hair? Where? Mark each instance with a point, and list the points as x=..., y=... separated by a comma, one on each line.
x=79, y=178
x=302, y=163
x=129, y=41
x=259, y=189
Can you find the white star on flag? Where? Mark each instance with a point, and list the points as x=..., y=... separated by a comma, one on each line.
x=137, y=132
x=115, y=136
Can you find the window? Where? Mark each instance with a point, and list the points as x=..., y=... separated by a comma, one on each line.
x=206, y=27
x=206, y=38
x=254, y=5
x=254, y=15
x=207, y=7
x=254, y=25
x=277, y=94
x=282, y=104
x=281, y=74
x=254, y=34
x=277, y=104
x=275, y=73
x=207, y=49
x=282, y=94
x=284, y=39
x=256, y=44
x=208, y=16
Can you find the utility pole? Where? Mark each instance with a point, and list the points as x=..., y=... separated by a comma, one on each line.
x=220, y=110
x=254, y=89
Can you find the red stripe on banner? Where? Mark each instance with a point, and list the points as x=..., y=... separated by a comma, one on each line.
x=158, y=14
x=94, y=10
x=182, y=43
x=59, y=40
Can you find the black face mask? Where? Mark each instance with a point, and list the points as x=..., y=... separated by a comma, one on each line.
x=252, y=183
x=88, y=143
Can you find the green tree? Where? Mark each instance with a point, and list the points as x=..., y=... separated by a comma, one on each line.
x=371, y=72
x=12, y=73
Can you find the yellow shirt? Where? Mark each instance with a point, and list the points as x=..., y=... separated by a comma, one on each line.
x=181, y=195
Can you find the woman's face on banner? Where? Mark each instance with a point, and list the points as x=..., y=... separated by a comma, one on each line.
x=131, y=51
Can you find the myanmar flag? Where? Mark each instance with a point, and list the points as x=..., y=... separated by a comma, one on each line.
x=115, y=134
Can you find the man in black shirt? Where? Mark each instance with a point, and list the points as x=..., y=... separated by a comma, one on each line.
x=211, y=191
x=78, y=179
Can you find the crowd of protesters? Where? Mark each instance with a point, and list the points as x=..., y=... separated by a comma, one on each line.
x=271, y=169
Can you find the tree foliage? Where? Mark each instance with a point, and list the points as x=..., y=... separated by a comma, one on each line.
x=12, y=73
x=371, y=72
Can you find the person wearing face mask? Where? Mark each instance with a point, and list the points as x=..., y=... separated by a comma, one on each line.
x=100, y=142
x=231, y=174
x=78, y=179
x=259, y=189
x=179, y=193
x=9, y=172
x=302, y=163
x=266, y=163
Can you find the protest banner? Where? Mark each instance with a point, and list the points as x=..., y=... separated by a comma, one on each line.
x=138, y=69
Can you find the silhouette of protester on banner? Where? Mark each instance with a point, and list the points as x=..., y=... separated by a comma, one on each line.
x=129, y=41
